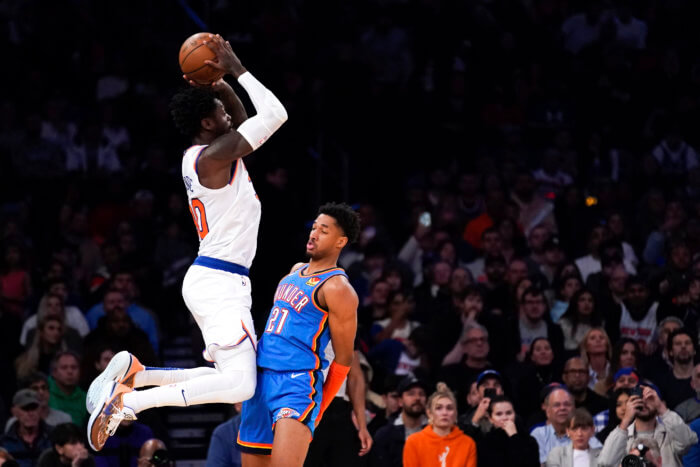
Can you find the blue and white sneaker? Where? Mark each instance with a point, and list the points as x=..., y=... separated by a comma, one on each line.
x=121, y=369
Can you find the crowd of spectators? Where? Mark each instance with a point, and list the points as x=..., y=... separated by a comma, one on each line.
x=553, y=287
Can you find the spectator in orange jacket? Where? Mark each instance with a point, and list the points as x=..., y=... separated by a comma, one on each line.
x=440, y=443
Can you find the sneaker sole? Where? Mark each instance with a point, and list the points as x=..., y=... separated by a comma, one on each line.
x=114, y=372
x=96, y=414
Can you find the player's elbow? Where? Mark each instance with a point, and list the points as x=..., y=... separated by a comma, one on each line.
x=280, y=113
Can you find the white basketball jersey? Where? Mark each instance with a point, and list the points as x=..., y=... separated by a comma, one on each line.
x=227, y=219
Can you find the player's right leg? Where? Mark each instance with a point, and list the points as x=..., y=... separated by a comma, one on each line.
x=254, y=460
x=291, y=444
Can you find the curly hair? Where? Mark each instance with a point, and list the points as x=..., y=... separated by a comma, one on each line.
x=346, y=217
x=189, y=106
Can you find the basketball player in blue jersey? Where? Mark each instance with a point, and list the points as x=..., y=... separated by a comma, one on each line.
x=216, y=288
x=313, y=304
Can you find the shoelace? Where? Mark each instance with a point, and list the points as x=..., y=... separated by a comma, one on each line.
x=117, y=416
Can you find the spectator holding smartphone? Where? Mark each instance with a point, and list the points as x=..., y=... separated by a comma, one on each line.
x=675, y=438
x=489, y=384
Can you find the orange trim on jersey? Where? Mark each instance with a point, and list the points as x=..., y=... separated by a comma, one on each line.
x=253, y=445
x=313, y=296
x=248, y=335
x=317, y=273
x=311, y=396
x=321, y=328
x=235, y=171
x=197, y=158
x=185, y=152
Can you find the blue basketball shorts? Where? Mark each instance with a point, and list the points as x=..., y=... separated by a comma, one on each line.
x=279, y=394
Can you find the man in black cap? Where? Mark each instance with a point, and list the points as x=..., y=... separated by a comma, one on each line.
x=29, y=435
x=489, y=383
x=390, y=439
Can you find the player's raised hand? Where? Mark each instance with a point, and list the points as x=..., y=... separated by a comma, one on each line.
x=226, y=59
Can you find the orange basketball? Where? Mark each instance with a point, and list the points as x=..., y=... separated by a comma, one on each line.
x=192, y=55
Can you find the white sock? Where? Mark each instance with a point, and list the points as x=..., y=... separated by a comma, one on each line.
x=234, y=382
x=153, y=376
x=227, y=388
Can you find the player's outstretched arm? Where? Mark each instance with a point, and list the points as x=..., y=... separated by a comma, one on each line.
x=254, y=131
x=232, y=103
x=341, y=301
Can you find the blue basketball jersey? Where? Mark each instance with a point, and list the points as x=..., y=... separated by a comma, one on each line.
x=296, y=332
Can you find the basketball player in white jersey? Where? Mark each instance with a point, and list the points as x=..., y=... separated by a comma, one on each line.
x=216, y=288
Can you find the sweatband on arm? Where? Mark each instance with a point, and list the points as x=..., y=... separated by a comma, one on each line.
x=270, y=115
x=335, y=379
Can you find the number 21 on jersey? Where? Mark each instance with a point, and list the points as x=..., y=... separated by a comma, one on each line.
x=277, y=314
x=199, y=215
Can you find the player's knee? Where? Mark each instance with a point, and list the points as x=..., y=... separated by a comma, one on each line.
x=242, y=386
x=247, y=387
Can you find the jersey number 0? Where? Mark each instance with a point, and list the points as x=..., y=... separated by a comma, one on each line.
x=199, y=215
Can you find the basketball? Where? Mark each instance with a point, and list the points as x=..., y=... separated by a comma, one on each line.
x=193, y=53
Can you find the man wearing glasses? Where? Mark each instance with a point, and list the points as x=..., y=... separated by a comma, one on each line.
x=575, y=377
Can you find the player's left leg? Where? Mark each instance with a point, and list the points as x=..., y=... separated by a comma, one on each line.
x=291, y=443
x=233, y=382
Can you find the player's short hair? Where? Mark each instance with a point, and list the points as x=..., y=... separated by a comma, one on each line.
x=346, y=217
x=189, y=106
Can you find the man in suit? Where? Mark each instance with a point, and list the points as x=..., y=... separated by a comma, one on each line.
x=580, y=430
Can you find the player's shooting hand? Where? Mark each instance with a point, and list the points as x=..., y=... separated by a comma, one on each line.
x=365, y=441
x=226, y=59
x=219, y=85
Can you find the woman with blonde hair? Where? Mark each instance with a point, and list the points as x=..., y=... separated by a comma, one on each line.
x=52, y=303
x=440, y=443
x=596, y=352
x=48, y=339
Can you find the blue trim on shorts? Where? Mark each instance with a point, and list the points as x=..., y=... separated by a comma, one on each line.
x=221, y=265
